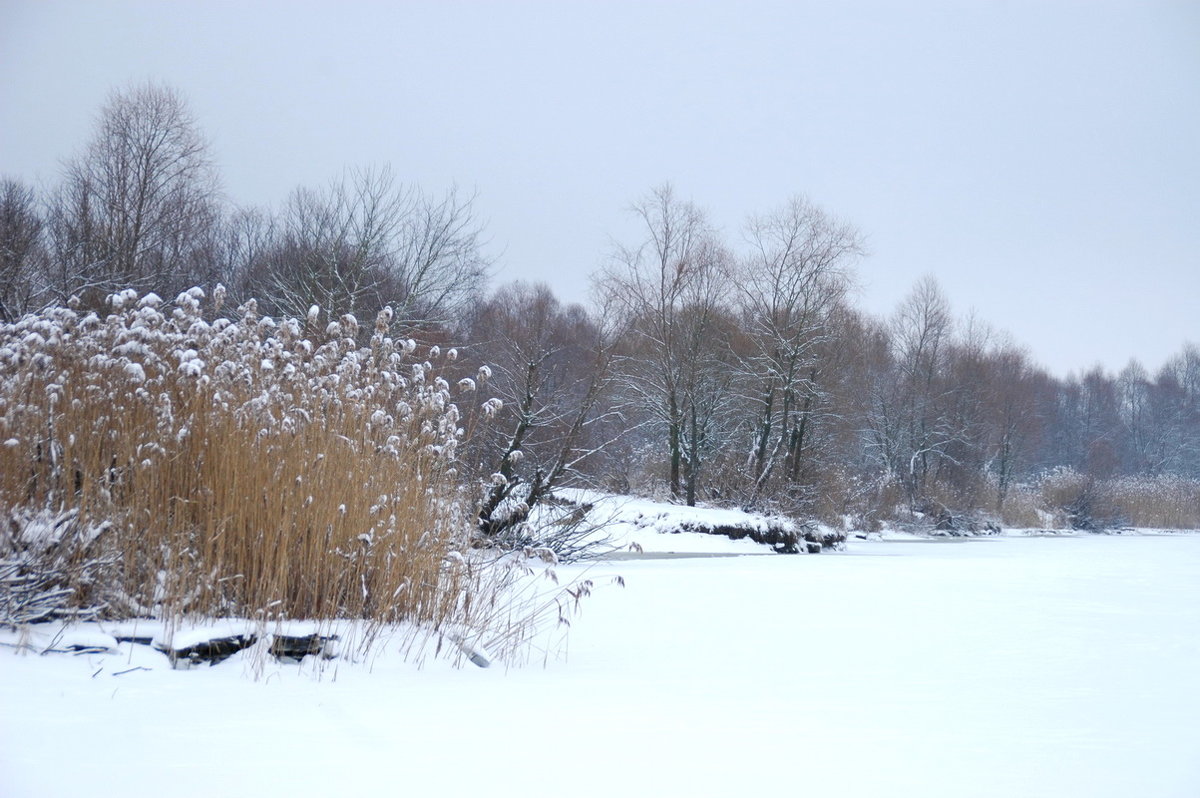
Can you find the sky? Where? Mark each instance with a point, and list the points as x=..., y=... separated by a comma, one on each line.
x=1040, y=159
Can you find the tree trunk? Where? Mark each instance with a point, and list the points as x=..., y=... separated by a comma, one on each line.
x=764, y=434
x=693, y=459
x=674, y=433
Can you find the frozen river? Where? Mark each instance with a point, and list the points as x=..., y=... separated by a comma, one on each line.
x=994, y=667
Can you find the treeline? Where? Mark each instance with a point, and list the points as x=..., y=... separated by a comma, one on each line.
x=141, y=207
x=749, y=378
x=704, y=371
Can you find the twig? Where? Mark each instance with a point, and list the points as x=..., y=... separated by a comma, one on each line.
x=131, y=670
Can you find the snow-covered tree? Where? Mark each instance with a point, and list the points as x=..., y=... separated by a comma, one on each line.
x=669, y=291
x=550, y=366
x=791, y=284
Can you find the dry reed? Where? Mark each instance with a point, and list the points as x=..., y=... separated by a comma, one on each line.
x=1062, y=497
x=1161, y=502
x=243, y=467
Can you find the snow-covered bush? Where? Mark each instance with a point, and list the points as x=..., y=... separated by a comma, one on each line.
x=50, y=567
x=237, y=466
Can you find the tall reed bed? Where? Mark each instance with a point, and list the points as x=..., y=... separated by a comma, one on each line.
x=1065, y=498
x=246, y=466
x=1057, y=498
x=1163, y=502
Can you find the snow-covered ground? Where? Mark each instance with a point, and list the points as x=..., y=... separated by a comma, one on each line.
x=658, y=528
x=626, y=522
x=988, y=667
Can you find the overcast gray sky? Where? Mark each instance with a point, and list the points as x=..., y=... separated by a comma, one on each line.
x=1041, y=159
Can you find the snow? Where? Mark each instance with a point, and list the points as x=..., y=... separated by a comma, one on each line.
x=43, y=637
x=650, y=526
x=135, y=372
x=87, y=638
x=999, y=666
x=181, y=639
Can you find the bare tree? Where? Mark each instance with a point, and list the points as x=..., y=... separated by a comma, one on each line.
x=668, y=291
x=1134, y=389
x=365, y=241
x=1175, y=413
x=1100, y=424
x=550, y=367
x=908, y=426
x=708, y=328
x=439, y=266
x=22, y=249
x=795, y=277
x=245, y=240
x=136, y=208
x=1012, y=413
x=334, y=245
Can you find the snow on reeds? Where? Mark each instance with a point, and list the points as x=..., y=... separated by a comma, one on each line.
x=250, y=467
x=1065, y=498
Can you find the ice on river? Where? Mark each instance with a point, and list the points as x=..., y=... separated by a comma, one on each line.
x=994, y=667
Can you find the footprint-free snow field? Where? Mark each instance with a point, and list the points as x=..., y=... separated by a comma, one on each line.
x=994, y=667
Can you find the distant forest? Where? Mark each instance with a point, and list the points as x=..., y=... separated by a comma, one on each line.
x=736, y=373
